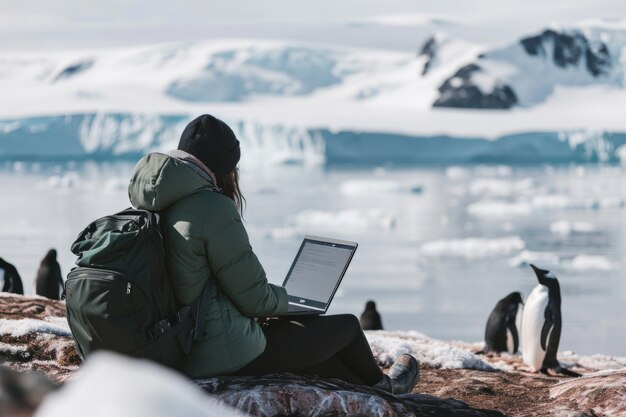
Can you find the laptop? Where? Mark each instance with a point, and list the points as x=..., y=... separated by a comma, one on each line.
x=316, y=273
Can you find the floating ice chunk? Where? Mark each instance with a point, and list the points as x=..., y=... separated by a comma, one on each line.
x=115, y=184
x=380, y=171
x=501, y=188
x=374, y=187
x=455, y=172
x=281, y=233
x=564, y=227
x=155, y=390
x=563, y=202
x=355, y=219
x=494, y=171
x=529, y=257
x=621, y=154
x=558, y=201
x=499, y=208
x=588, y=263
x=471, y=248
x=387, y=346
x=369, y=187
x=609, y=202
x=68, y=180
x=22, y=327
x=19, y=166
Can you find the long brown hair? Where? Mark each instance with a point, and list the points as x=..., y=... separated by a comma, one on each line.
x=229, y=183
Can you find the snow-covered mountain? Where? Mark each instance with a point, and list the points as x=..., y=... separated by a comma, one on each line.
x=297, y=99
x=528, y=72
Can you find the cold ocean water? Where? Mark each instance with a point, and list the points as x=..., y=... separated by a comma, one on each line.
x=438, y=247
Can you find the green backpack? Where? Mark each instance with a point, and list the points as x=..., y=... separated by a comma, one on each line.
x=120, y=297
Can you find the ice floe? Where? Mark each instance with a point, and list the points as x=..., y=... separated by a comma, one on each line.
x=526, y=257
x=564, y=227
x=349, y=219
x=473, y=247
x=498, y=208
x=588, y=263
x=355, y=188
x=501, y=188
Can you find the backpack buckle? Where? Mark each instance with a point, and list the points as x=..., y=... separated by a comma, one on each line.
x=158, y=329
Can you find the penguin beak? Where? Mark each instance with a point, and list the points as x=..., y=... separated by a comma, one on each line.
x=538, y=271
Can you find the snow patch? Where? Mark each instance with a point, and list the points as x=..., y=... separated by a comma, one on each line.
x=387, y=346
x=14, y=349
x=154, y=391
x=51, y=325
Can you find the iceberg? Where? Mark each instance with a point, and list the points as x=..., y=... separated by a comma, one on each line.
x=129, y=135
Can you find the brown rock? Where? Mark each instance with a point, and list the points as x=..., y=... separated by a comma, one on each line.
x=462, y=392
x=298, y=395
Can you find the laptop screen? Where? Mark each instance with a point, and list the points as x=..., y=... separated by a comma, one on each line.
x=317, y=271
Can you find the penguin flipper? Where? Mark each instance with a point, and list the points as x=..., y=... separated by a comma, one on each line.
x=548, y=324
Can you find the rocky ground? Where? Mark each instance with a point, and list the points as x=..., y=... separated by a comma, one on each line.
x=34, y=336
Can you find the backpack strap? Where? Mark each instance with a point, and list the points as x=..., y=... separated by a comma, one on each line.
x=189, y=316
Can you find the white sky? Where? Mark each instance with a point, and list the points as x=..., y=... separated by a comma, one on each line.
x=61, y=24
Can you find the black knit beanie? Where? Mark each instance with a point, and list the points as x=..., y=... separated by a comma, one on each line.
x=212, y=142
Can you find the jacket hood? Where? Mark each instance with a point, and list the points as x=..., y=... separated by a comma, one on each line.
x=160, y=180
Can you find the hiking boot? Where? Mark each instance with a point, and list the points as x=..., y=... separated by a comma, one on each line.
x=404, y=374
x=384, y=384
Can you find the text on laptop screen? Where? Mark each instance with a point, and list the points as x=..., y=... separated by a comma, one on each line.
x=317, y=270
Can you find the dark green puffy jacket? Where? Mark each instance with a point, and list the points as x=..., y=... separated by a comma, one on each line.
x=204, y=237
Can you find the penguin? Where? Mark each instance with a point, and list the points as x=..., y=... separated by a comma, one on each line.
x=49, y=282
x=370, y=319
x=12, y=280
x=502, y=330
x=541, y=325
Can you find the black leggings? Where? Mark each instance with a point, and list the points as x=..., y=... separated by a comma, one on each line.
x=327, y=346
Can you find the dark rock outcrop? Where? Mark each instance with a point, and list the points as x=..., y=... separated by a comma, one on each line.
x=429, y=50
x=460, y=91
x=73, y=69
x=565, y=50
x=569, y=49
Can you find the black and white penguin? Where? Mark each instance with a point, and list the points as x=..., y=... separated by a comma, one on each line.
x=49, y=282
x=12, y=280
x=503, y=325
x=541, y=325
x=370, y=319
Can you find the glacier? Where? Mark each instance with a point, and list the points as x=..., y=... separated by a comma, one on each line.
x=104, y=136
x=554, y=97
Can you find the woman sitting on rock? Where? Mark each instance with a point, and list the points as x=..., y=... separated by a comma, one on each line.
x=196, y=190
